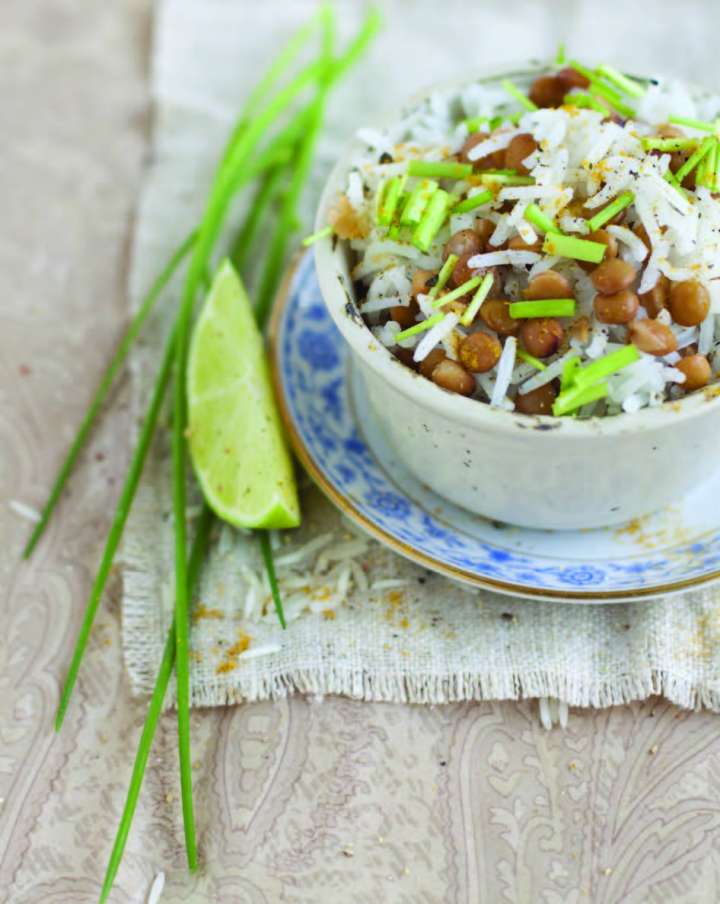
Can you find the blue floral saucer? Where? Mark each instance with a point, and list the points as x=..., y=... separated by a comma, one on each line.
x=333, y=433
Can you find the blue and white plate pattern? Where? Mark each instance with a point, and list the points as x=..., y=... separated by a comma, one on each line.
x=336, y=438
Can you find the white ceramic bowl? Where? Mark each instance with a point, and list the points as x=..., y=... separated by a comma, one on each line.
x=534, y=471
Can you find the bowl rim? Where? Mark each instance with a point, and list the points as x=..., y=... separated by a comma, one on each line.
x=342, y=307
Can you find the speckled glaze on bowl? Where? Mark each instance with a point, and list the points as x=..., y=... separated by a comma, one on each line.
x=534, y=471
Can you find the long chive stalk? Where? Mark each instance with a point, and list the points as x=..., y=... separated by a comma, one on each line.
x=272, y=272
x=121, y=513
x=101, y=393
x=207, y=234
x=266, y=550
x=197, y=554
x=261, y=200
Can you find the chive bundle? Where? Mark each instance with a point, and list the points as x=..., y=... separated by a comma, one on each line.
x=241, y=162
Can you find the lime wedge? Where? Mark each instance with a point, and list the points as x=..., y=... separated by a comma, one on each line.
x=236, y=440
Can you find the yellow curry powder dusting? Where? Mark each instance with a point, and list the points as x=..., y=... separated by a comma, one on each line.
x=233, y=653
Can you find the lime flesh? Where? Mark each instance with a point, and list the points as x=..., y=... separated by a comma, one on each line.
x=236, y=441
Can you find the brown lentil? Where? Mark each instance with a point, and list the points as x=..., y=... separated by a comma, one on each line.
x=495, y=313
x=652, y=337
x=405, y=314
x=480, y=352
x=461, y=272
x=463, y=242
x=431, y=361
x=519, y=148
x=518, y=243
x=571, y=78
x=618, y=308
x=697, y=372
x=549, y=284
x=538, y=401
x=541, y=336
x=492, y=161
x=654, y=299
x=612, y=276
x=452, y=376
x=405, y=355
x=420, y=282
x=547, y=91
x=689, y=302
x=484, y=229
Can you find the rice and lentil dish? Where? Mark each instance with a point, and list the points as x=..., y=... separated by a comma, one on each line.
x=549, y=252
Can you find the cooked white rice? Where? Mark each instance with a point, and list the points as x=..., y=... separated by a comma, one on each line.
x=580, y=155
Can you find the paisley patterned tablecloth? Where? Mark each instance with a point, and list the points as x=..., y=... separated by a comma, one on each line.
x=298, y=801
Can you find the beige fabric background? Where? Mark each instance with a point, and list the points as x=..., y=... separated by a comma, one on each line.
x=297, y=801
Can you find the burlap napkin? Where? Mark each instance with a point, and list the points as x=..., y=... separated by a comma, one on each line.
x=363, y=621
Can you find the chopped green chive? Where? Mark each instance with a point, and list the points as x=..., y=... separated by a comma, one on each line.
x=474, y=201
x=560, y=55
x=716, y=171
x=568, y=372
x=513, y=90
x=316, y=236
x=498, y=172
x=628, y=85
x=613, y=209
x=419, y=327
x=603, y=367
x=581, y=99
x=390, y=200
x=583, y=70
x=534, y=215
x=668, y=144
x=505, y=179
x=575, y=397
x=612, y=97
x=604, y=90
x=707, y=177
x=478, y=298
x=579, y=249
x=548, y=307
x=417, y=202
x=694, y=159
x=444, y=274
x=692, y=123
x=475, y=123
x=439, y=169
x=530, y=359
x=432, y=220
x=458, y=292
